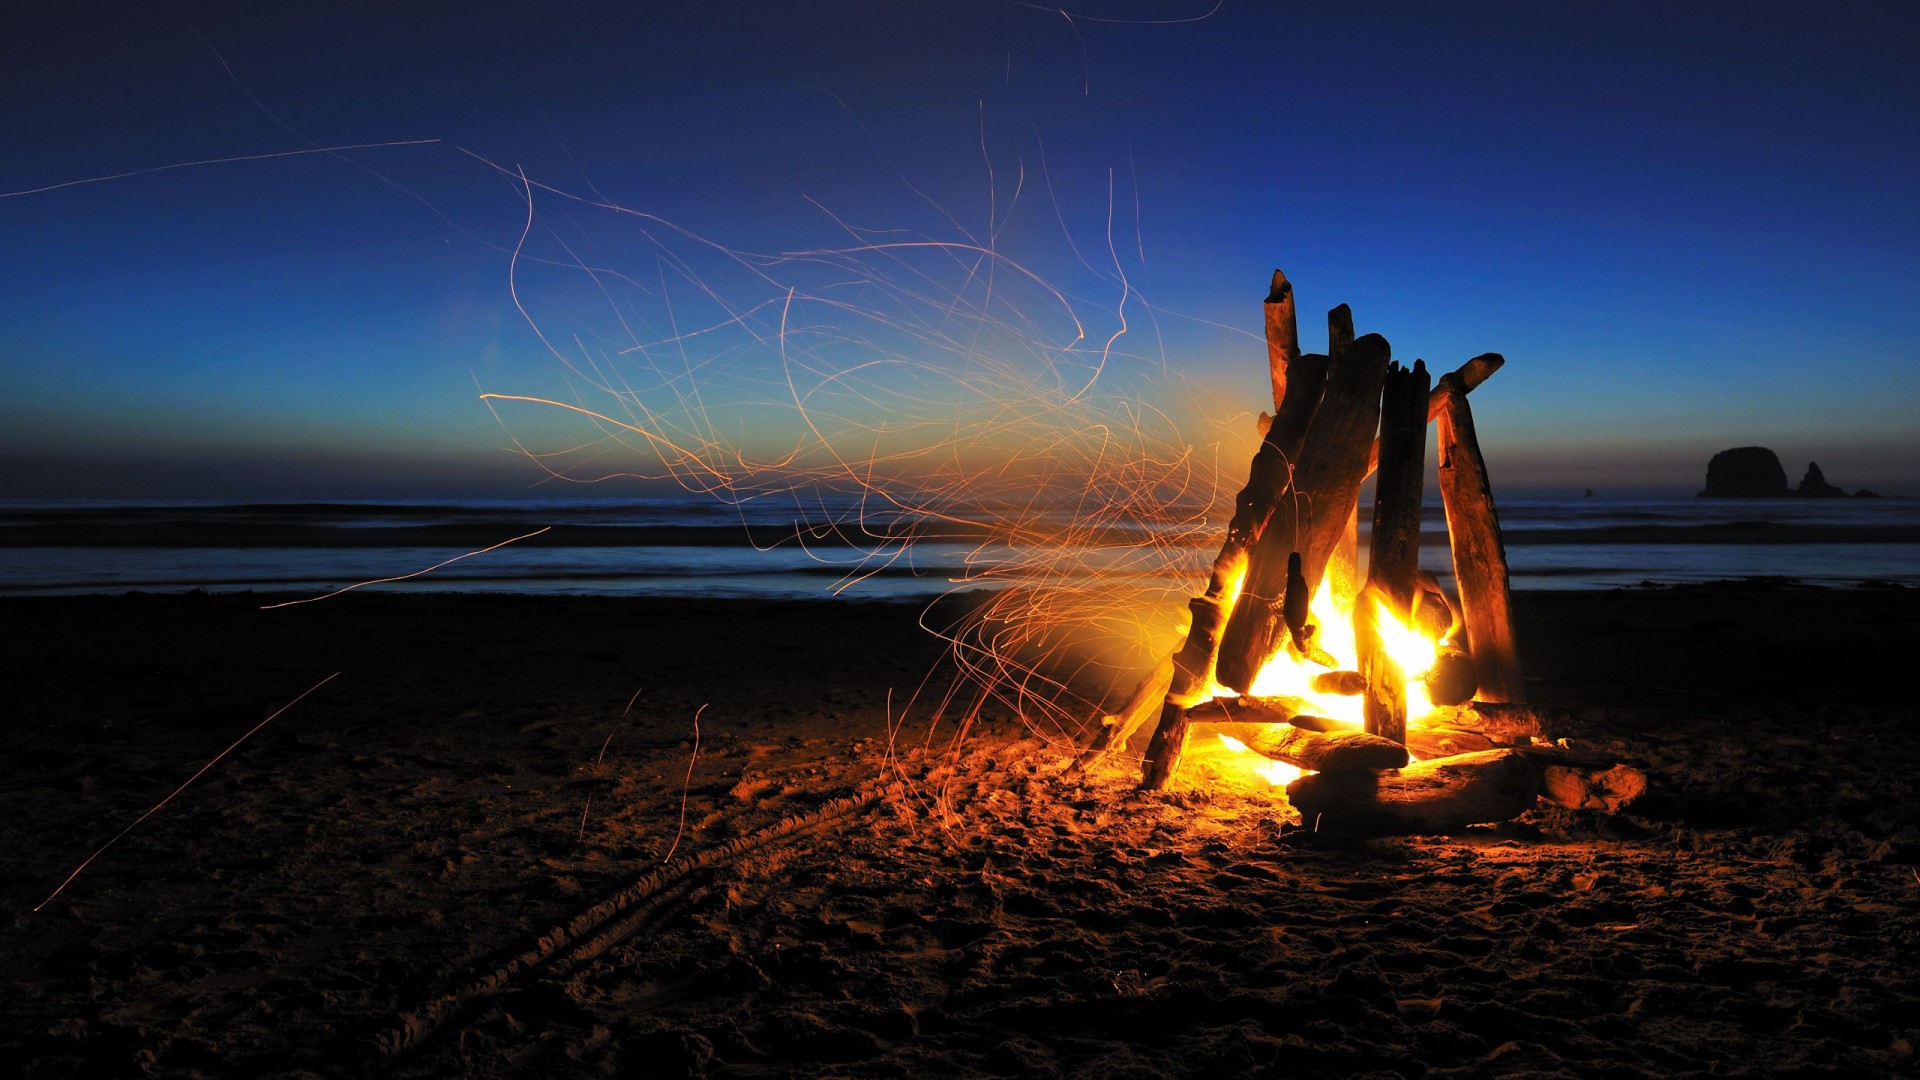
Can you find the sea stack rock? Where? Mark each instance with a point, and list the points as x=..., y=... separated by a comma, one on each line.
x=1814, y=485
x=1746, y=472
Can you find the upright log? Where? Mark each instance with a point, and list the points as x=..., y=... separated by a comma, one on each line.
x=1479, y=557
x=1393, y=555
x=1283, y=337
x=1312, y=514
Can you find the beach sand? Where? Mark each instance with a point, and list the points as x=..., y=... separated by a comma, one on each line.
x=453, y=859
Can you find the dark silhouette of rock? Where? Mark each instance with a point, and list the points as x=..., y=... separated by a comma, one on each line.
x=1863, y=493
x=1746, y=472
x=1814, y=485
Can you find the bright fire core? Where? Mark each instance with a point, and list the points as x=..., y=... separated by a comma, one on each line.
x=1288, y=676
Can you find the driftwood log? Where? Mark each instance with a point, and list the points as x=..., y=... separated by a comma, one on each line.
x=1249, y=710
x=1425, y=797
x=1164, y=750
x=1311, y=516
x=1315, y=751
x=1427, y=743
x=1393, y=553
x=1321, y=543
x=1479, y=557
x=1283, y=337
x=1117, y=727
x=1274, y=727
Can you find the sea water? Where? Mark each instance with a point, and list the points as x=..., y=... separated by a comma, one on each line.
x=782, y=549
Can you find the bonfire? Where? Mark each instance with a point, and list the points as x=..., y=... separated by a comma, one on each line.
x=1383, y=705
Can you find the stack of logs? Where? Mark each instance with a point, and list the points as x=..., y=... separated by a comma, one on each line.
x=1294, y=523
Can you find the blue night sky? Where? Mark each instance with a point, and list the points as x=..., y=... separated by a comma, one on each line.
x=1687, y=227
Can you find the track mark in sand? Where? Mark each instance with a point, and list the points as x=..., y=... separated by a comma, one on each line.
x=609, y=922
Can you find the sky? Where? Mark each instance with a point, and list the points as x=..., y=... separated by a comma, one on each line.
x=1686, y=227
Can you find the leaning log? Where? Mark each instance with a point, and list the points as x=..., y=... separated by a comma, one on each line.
x=1479, y=557
x=1168, y=745
x=1312, y=515
x=1393, y=554
x=1425, y=797
x=1258, y=504
x=1118, y=726
x=1315, y=751
x=1280, y=709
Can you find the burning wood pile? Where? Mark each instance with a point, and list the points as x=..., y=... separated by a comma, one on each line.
x=1388, y=705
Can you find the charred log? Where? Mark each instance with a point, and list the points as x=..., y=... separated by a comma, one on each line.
x=1258, y=504
x=1248, y=710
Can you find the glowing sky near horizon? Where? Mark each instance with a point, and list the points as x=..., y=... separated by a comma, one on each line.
x=1686, y=230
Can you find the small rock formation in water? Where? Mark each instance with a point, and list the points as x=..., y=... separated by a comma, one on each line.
x=1754, y=472
x=1746, y=472
x=1814, y=485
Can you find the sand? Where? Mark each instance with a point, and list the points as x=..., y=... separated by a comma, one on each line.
x=453, y=858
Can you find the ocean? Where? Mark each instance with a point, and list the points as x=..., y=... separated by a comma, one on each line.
x=693, y=545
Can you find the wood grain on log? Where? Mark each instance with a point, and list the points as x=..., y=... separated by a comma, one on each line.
x=1283, y=337
x=1316, y=751
x=1165, y=749
x=1425, y=797
x=1393, y=555
x=1428, y=743
x=1479, y=556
